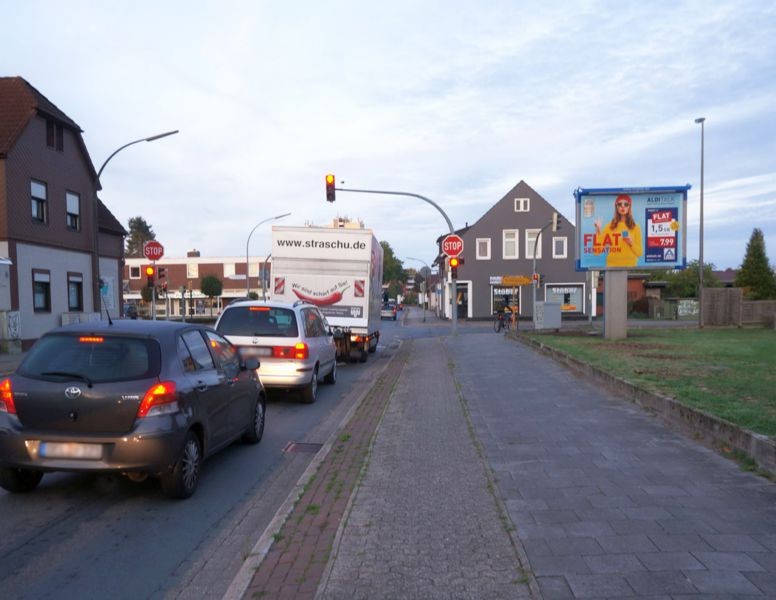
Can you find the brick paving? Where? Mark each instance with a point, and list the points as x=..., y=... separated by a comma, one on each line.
x=295, y=562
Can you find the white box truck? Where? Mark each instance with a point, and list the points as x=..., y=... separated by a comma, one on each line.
x=340, y=270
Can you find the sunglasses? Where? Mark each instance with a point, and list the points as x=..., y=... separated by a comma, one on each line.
x=623, y=204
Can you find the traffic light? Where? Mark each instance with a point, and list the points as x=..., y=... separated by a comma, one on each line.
x=536, y=279
x=556, y=221
x=454, y=262
x=150, y=275
x=162, y=272
x=330, y=188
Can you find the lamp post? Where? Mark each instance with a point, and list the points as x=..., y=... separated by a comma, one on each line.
x=247, y=262
x=701, y=120
x=425, y=286
x=265, y=279
x=95, y=212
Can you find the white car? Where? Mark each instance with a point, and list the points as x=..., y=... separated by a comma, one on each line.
x=293, y=343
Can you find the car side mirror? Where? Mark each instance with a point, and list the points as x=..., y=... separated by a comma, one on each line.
x=251, y=364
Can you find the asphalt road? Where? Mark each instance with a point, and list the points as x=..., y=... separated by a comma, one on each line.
x=80, y=536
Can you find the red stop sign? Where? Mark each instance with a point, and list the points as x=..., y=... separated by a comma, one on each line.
x=153, y=250
x=452, y=245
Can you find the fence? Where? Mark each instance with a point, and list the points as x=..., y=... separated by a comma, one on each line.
x=726, y=306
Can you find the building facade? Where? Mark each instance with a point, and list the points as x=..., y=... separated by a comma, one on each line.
x=64, y=245
x=504, y=245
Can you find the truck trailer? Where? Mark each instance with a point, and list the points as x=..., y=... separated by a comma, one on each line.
x=339, y=270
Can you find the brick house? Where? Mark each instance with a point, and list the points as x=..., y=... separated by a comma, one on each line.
x=65, y=247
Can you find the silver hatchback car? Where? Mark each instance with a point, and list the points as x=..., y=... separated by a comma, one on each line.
x=293, y=343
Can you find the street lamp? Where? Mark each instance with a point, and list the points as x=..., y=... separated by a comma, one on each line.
x=425, y=286
x=95, y=212
x=701, y=120
x=247, y=262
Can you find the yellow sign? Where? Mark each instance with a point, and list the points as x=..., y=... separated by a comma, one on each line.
x=515, y=280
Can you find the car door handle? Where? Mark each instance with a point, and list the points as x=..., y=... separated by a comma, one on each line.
x=201, y=386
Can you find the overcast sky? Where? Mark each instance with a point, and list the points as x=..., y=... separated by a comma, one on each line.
x=455, y=100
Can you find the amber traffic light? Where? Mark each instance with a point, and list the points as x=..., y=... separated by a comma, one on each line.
x=330, y=188
x=454, y=262
x=150, y=273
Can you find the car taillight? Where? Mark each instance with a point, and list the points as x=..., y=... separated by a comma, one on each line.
x=6, y=397
x=161, y=398
x=300, y=351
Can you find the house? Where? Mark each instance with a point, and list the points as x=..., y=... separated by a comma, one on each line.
x=499, y=250
x=64, y=245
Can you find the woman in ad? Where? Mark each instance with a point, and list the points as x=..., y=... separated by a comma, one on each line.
x=621, y=236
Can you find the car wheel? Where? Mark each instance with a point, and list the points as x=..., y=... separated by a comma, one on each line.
x=331, y=378
x=310, y=392
x=181, y=482
x=19, y=480
x=255, y=432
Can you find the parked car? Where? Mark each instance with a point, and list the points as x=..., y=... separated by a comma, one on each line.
x=130, y=311
x=141, y=398
x=388, y=311
x=293, y=341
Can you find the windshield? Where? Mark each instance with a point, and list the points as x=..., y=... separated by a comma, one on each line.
x=92, y=358
x=260, y=321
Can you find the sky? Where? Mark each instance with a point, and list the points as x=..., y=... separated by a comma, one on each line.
x=455, y=100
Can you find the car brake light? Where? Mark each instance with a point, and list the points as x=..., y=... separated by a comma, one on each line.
x=91, y=339
x=160, y=398
x=258, y=308
x=6, y=397
x=299, y=351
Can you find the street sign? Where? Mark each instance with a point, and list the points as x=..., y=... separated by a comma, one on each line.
x=452, y=245
x=153, y=250
x=515, y=280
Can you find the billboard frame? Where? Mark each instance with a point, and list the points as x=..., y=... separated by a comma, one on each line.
x=584, y=262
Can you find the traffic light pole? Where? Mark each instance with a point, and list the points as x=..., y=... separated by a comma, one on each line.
x=153, y=293
x=536, y=281
x=454, y=291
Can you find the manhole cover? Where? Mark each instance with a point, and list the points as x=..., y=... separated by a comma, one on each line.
x=302, y=447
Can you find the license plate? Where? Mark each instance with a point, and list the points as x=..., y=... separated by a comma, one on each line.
x=70, y=450
x=249, y=351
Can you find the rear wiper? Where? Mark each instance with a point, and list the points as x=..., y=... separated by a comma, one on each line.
x=70, y=375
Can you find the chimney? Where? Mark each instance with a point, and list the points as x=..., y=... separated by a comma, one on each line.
x=192, y=253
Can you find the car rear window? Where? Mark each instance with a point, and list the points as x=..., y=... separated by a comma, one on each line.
x=96, y=358
x=259, y=321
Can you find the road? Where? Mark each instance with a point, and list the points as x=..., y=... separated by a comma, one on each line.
x=80, y=536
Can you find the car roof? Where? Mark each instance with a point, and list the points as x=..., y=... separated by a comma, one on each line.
x=127, y=326
x=270, y=303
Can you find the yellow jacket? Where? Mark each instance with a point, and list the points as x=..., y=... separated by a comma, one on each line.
x=620, y=253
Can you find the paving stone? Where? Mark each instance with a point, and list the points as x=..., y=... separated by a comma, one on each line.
x=722, y=582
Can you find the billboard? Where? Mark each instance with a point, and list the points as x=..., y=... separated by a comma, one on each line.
x=631, y=228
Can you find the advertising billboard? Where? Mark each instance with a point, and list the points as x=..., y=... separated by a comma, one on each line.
x=631, y=228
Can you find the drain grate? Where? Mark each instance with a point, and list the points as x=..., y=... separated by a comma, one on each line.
x=302, y=447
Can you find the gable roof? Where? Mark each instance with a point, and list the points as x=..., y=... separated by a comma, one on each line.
x=107, y=222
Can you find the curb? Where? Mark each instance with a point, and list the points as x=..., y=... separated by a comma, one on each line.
x=242, y=581
x=701, y=426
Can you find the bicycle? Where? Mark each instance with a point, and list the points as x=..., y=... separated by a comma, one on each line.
x=501, y=321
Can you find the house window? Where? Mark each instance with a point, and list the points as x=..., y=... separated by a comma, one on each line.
x=229, y=270
x=41, y=290
x=522, y=204
x=55, y=135
x=530, y=242
x=559, y=247
x=483, y=248
x=39, y=203
x=509, y=247
x=73, y=211
x=134, y=272
x=192, y=271
x=75, y=292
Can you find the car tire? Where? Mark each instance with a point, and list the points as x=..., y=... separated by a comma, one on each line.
x=255, y=432
x=182, y=481
x=331, y=377
x=19, y=480
x=310, y=391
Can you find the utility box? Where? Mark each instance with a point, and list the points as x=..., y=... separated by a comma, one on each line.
x=547, y=315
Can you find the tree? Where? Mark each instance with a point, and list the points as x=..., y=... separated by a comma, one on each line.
x=755, y=274
x=393, y=269
x=684, y=283
x=139, y=233
x=211, y=287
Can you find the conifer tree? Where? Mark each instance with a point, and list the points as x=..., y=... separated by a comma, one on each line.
x=755, y=274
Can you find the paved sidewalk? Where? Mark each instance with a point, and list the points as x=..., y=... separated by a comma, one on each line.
x=424, y=522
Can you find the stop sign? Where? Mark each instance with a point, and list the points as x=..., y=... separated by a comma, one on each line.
x=452, y=245
x=153, y=250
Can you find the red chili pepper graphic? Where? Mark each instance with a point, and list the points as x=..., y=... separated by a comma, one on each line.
x=327, y=300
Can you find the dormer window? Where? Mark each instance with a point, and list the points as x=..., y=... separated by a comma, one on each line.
x=522, y=204
x=55, y=135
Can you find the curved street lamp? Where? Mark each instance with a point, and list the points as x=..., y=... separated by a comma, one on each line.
x=247, y=262
x=96, y=286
